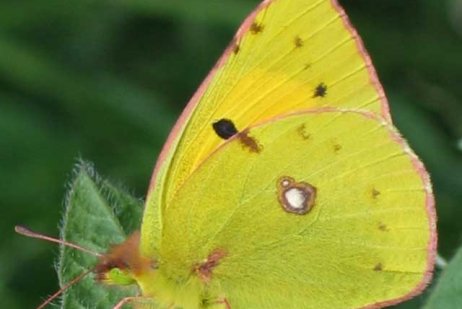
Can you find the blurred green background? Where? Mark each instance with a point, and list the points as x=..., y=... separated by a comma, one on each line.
x=105, y=81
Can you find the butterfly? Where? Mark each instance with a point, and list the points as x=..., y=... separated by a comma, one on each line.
x=284, y=183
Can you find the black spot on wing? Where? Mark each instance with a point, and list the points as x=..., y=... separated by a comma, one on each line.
x=301, y=131
x=298, y=42
x=224, y=128
x=236, y=49
x=320, y=91
x=256, y=28
x=378, y=267
x=375, y=193
x=383, y=227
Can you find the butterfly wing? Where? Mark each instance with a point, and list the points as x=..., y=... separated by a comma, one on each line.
x=289, y=55
x=368, y=235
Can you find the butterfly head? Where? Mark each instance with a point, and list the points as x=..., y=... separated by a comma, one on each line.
x=123, y=264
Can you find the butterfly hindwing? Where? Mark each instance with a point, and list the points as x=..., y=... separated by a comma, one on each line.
x=365, y=237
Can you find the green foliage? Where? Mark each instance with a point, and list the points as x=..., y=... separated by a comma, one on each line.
x=97, y=215
x=448, y=290
x=106, y=79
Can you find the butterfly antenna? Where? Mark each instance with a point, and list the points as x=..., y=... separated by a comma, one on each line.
x=29, y=233
x=64, y=288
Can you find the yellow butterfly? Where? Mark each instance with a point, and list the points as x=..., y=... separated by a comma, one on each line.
x=284, y=183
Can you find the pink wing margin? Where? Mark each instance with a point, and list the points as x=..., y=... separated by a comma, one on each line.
x=431, y=212
x=367, y=59
x=200, y=91
x=185, y=115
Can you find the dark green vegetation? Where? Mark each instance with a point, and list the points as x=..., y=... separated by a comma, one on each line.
x=94, y=204
x=105, y=80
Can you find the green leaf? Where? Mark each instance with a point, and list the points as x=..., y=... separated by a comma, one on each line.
x=97, y=215
x=448, y=291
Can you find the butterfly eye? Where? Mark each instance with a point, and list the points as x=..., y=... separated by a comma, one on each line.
x=224, y=128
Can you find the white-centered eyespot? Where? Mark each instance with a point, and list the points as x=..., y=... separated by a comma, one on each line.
x=295, y=197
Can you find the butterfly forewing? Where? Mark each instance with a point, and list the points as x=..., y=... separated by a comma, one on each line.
x=289, y=55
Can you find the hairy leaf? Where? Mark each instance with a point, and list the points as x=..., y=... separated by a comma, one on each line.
x=97, y=215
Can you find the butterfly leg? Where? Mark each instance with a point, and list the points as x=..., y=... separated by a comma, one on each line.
x=131, y=299
x=225, y=302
